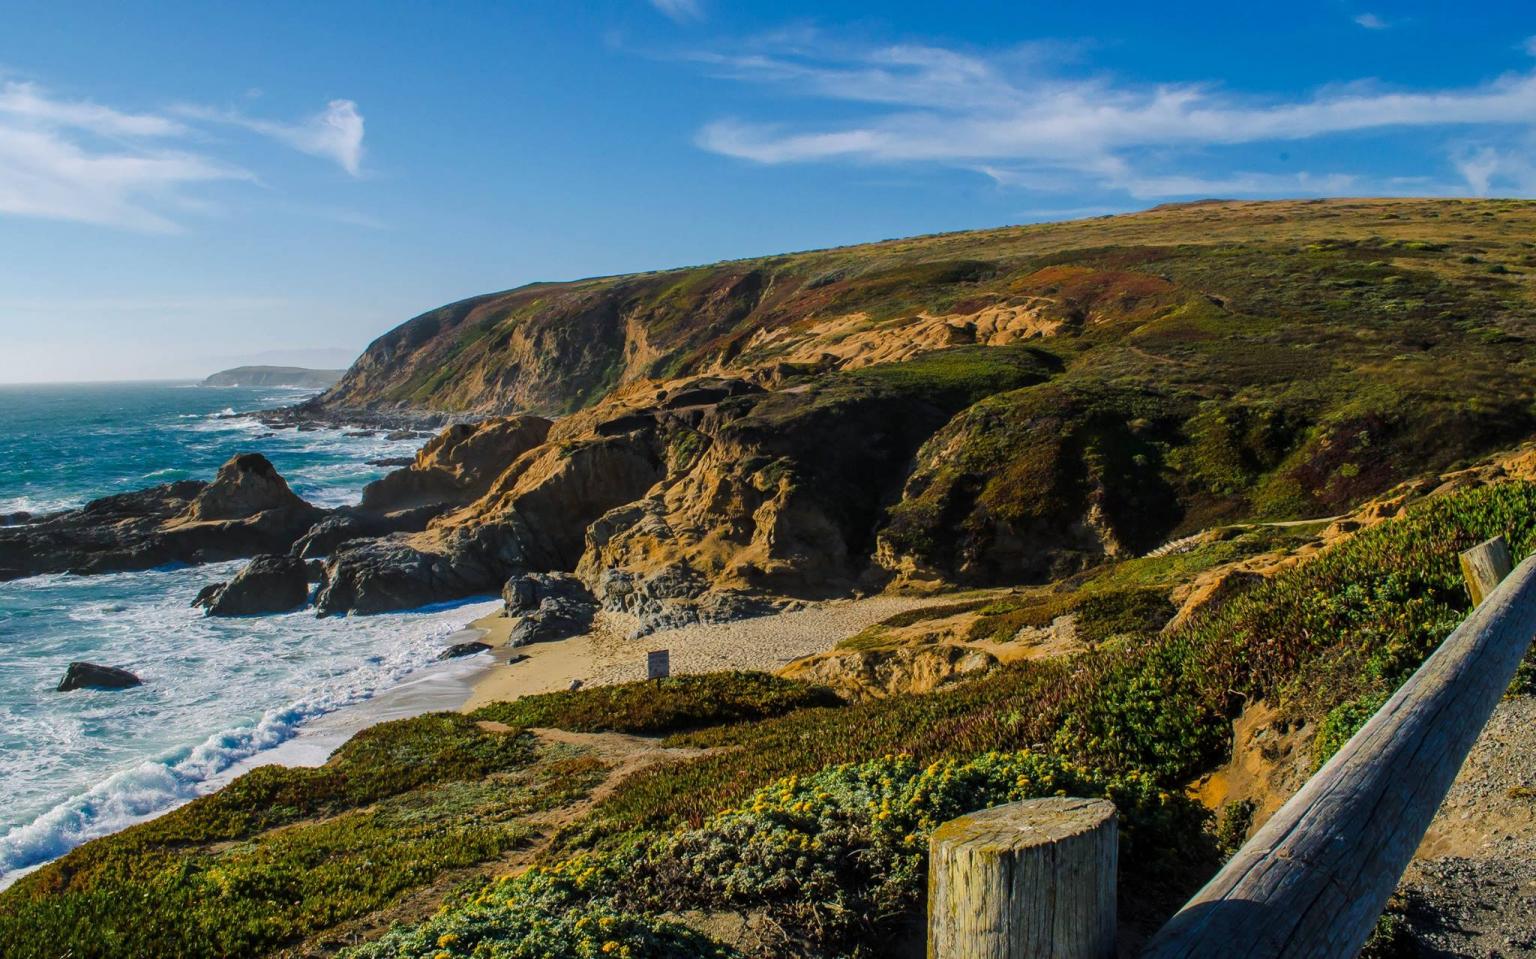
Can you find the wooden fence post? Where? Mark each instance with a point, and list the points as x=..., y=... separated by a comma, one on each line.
x=1029, y=880
x=1312, y=881
x=1484, y=567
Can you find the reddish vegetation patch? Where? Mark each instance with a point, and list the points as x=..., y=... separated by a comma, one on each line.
x=1097, y=296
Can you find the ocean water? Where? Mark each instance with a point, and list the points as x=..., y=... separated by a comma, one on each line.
x=218, y=693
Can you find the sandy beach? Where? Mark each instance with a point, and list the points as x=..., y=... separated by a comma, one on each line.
x=605, y=655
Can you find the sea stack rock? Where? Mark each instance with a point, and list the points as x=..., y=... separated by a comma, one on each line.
x=268, y=584
x=246, y=485
x=92, y=676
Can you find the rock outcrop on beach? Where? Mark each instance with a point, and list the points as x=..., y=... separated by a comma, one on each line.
x=547, y=606
x=93, y=676
x=269, y=583
x=247, y=509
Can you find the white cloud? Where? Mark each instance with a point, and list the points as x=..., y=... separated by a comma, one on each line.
x=24, y=101
x=1529, y=46
x=335, y=133
x=680, y=10
x=934, y=105
x=1488, y=169
x=80, y=161
x=1371, y=21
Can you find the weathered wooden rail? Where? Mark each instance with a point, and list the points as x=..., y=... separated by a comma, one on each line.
x=1029, y=880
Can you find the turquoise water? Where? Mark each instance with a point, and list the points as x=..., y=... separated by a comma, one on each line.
x=217, y=691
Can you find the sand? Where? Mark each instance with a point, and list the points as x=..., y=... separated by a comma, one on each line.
x=606, y=655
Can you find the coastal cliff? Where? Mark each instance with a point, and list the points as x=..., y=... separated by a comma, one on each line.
x=1006, y=406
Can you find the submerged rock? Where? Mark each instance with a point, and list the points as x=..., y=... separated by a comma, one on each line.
x=268, y=584
x=93, y=676
x=463, y=649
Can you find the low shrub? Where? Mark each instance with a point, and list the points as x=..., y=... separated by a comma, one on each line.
x=1341, y=724
x=834, y=862
x=662, y=706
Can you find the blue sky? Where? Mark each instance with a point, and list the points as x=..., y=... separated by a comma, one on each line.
x=187, y=185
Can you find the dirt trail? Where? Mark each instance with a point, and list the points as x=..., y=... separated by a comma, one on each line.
x=622, y=755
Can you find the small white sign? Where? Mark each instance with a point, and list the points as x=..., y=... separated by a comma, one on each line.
x=658, y=664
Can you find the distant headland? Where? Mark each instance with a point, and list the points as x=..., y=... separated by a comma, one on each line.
x=275, y=376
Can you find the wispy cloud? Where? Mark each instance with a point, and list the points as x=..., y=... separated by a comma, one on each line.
x=335, y=133
x=1371, y=21
x=1015, y=120
x=680, y=10
x=81, y=161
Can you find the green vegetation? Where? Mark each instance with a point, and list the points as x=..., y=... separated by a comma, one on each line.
x=834, y=861
x=1355, y=620
x=281, y=854
x=663, y=706
x=1099, y=615
x=1342, y=722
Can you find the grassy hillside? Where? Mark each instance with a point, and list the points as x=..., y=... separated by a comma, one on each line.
x=1258, y=292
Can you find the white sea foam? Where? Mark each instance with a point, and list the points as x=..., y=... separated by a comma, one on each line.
x=219, y=694
x=385, y=650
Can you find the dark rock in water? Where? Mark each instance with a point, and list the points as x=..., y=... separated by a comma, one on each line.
x=361, y=434
x=268, y=584
x=380, y=575
x=247, y=509
x=391, y=461
x=549, y=606
x=462, y=649
x=15, y=519
x=246, y=485
x=92, y=676
x=402, y=435
x=208, y=594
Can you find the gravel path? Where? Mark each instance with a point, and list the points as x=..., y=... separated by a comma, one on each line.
x=1472, y=891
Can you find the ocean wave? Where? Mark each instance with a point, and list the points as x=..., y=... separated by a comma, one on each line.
x=156, y=785
x=37, y=506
